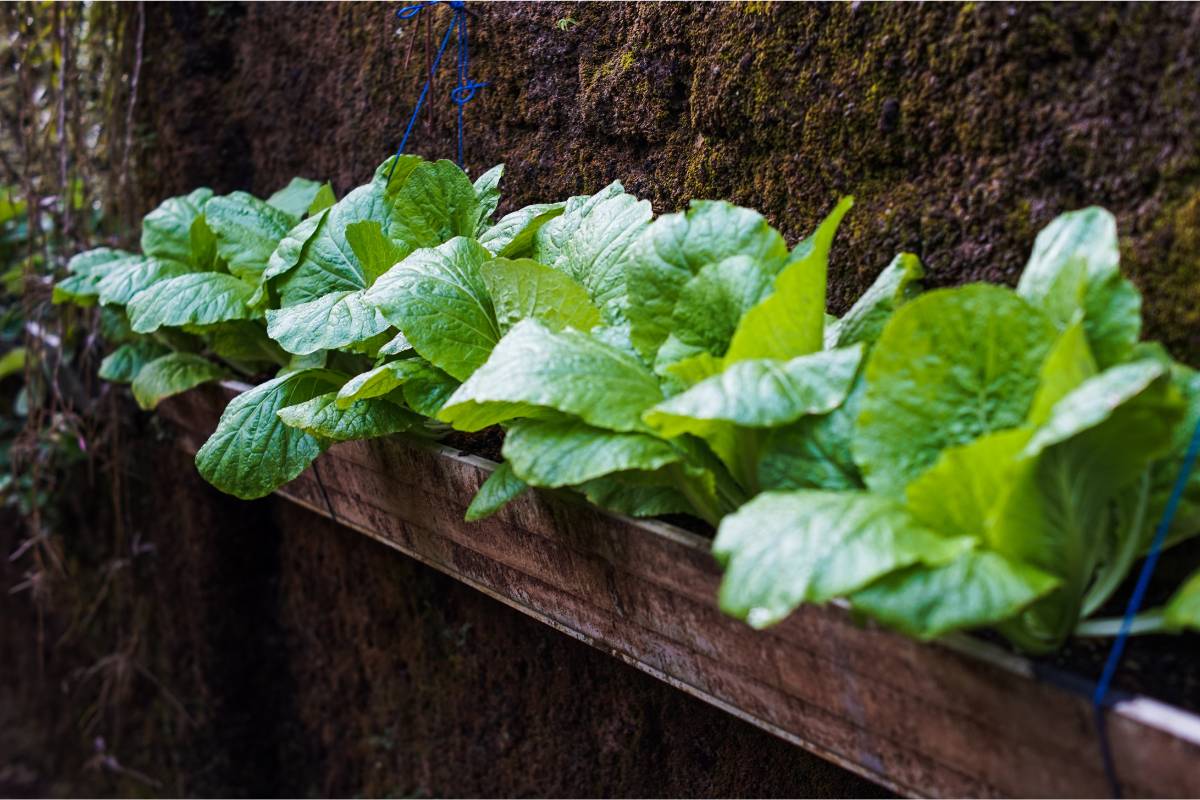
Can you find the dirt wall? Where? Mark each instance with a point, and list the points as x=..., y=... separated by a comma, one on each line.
x=960, y=128
x=269, y=653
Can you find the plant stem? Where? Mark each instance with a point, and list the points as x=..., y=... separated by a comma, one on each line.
x=748, y=442
x=1113, y=573
x=704, y=502
x=1151, y=621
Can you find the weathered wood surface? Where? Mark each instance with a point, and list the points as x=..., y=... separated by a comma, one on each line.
x=958, y=718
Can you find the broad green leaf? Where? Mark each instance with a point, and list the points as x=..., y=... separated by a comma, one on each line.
x=590, y=244
x=128, y=278
x=423, y=205
x=438, y=298
x=898, y=283
x=687, y=372
x=332, y=321
x=167, y=230
x=204, y=245
x=1105, y=403
x=713, y=301
x=949, y=366
x=814, y=451
x=524, y=288
x=81, y=290
x=513, y=235
x=363, y=419
x=959, y=494
x=77, y=289
x=317, y=360
x=1077, y=247
x=487, y=193
x=550, y=242
x=397, y=345
x=435, y=204
x=242, y=342
x=500, y=489
x=791, y=320
x=428, y=389
x=676, y=247
x=533, y=367
x=1112, y=319
x=1165, y=472
x=170, y=375
x=122, y=365
x=291, y=248
x=12, y=362
x=1073, y=268
x=199, y=298
x=379, y=381
x=87, y=269
x=342, y=318
x=978, y=588
x=294, y=200
x=323, y=199
x=99, y=260
x=628, y=494
x=558, y=452
x=252, y=452
x=1069, y=364
x=786, y=548
x=373, y=249
x=762, y=393
x=247, y=231
x=1183, y=609
x=1098, y=441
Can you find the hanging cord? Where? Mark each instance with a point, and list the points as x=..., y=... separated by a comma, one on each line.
x=1131, y=610
x=324, y=494
x=464, y=91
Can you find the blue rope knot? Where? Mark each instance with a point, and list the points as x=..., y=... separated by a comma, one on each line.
x=408, y=12
x=466, y=89
x=466, y=93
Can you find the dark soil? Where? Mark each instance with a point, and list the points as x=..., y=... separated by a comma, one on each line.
x=487, y=443
x=1165, y=667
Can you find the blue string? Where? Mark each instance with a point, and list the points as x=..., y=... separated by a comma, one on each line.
x=1135, y=603
x=465, y=90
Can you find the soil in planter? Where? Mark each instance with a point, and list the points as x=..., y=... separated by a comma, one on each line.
x=1165, y=666
x=486, y=443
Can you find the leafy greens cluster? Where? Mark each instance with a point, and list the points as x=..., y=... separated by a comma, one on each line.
x=964, y=457
x=1010, y=455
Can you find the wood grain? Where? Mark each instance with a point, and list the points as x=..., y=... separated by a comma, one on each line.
x=955, y=718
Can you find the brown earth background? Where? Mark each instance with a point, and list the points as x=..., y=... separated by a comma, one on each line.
x=293, y=657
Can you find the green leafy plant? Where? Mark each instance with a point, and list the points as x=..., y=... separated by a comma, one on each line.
x=187, y=310
x=965, y=457
x=1016, y=449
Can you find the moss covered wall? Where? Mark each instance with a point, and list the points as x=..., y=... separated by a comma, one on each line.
x=318, y=662
x=960, y=128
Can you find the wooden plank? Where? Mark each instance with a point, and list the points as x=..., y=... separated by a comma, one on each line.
x=949, y=719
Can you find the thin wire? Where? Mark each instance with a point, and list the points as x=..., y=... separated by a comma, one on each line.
x=1135, y=603
x=424, y=89
x=324, y=494
x=465, y=90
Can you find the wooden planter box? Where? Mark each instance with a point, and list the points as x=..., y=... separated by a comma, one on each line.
x=955, y=718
